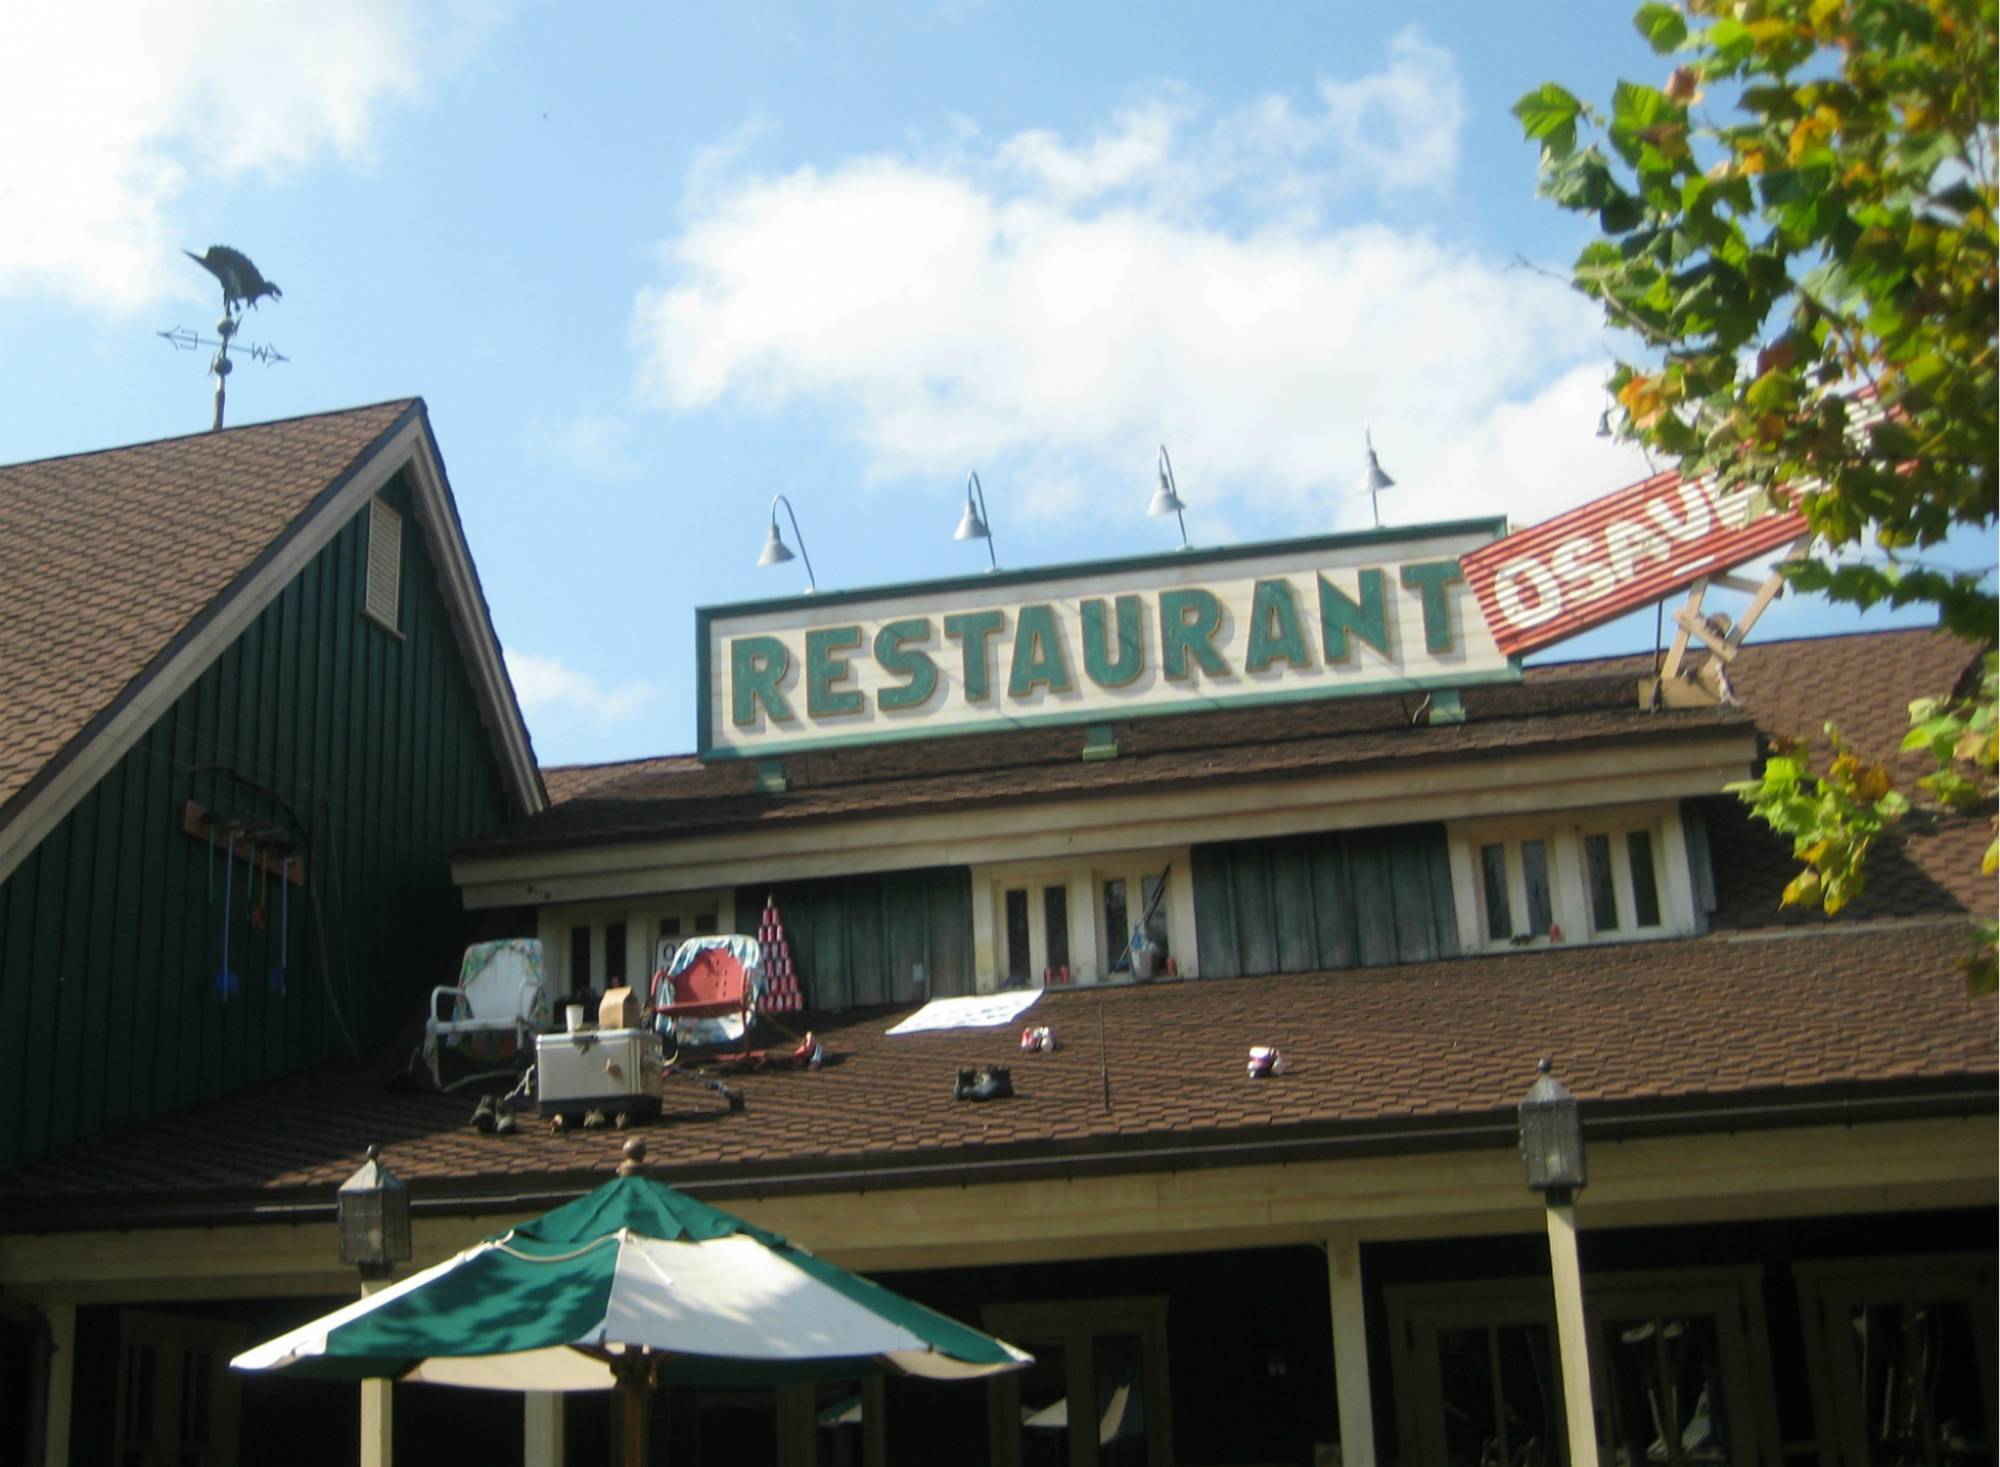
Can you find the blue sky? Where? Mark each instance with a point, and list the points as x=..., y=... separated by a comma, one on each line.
x=650, y=265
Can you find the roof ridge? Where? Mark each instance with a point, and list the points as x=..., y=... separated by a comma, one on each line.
x=401, y=404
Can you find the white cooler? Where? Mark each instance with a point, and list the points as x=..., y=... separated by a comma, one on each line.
x=611, y=1070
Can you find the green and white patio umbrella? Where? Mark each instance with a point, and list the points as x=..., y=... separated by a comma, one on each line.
x=629, y=1285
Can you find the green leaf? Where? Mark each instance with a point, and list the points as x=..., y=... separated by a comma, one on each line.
x=1548, y=116
x=1662, y=26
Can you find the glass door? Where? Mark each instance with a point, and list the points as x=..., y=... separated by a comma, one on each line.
x=1678, y=1369
x=1904, y=1369
x=1110, y=1354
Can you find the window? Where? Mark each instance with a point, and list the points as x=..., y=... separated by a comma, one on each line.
x=1109, y=1352
x=1514, y=884
x=177, y=1397
x=1677, y=1367
x=1037, y=922
x=1604, y=876
x=1900, y=1355
x=601, y=946
x=385, y=565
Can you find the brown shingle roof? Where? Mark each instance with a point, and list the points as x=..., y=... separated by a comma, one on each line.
x=1836, y=1015
x=107, y=558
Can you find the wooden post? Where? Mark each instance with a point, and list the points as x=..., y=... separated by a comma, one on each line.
x=62, y=1383
x=378, y=1407
x=1353, y=1396
x=797, y=1426
x=1578, y=1405
x=542, y=1429
x=874, y=1423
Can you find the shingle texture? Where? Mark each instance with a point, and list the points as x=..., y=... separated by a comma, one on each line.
x=107, y=558
x=1693, y=1023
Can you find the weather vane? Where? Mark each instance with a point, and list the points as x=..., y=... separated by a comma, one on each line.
x=242, y=285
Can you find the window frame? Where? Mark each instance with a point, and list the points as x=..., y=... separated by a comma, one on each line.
x=1076, y=1324
x=642, y=921
x=1731, y=1294
x=1829, y=1288
x=1566, y=836
x=1084, y=880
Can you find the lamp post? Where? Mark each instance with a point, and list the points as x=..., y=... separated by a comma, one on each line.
x=975, y=526
x=1167, y=498
x=1552, y=1151
x=777, y=552
x=374, y=1211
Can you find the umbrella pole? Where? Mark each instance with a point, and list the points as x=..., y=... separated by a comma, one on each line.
x=633, y=1370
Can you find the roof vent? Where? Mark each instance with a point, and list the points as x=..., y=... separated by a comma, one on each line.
x=385, y=564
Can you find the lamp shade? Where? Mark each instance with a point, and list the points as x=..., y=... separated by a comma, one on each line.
x=776, y=551
x=374, y=1211
x=1374, y=481
x=971, y=527
x=1551, y=1136
x=1165, y=500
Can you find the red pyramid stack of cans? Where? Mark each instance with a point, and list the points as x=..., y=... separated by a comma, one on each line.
x=781, y=980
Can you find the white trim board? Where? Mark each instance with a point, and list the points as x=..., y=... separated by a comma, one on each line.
x=234, y=611
x=1632, y=771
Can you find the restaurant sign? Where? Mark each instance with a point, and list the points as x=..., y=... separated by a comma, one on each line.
x=1615, y=554
x=1327, y=617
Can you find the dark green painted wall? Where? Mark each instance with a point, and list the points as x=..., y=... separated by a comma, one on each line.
x=856, y=939
x=111, y=931
x=1339, y=899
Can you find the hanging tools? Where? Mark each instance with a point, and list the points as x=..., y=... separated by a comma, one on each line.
x=226, y=984
x=276, y=982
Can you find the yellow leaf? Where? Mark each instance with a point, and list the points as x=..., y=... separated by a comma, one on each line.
x=1643, y=401
x=1802, y=890
x=1990, y=864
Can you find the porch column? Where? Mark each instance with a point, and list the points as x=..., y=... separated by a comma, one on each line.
x=797, y=1426
x=542, y=1429
x=1350, y=1352
x=62, y=1383
x=378, y=1408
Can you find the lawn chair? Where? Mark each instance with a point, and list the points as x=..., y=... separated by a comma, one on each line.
x=706, y=992
x=500, y=991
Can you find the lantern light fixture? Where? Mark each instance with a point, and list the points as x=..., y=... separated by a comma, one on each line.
x=373, y=1207
x=1551, y=1137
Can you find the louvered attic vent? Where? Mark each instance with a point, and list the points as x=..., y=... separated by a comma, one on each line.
x=385, y=564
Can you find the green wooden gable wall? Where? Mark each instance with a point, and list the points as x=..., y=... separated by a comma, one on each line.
x=855, y=939
x=369, y=744
x=1338, y=899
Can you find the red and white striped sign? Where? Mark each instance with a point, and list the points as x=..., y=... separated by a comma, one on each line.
x=1615, y=554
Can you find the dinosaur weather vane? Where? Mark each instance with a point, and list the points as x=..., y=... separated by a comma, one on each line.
x=242, y=285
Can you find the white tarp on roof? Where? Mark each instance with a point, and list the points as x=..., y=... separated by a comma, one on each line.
x=980, y=1011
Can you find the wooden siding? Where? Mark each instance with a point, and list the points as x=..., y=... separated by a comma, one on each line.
x=1339, y=899
x=856, y=939
x=111, y=930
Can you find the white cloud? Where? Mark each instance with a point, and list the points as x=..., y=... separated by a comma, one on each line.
x=113, y=111
x=592, y=443
x=547, y=685
x=1049, y=311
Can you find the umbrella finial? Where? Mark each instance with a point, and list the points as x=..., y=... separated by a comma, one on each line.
x=635, y=1158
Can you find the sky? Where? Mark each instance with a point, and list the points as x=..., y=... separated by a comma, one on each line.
x=651, y=265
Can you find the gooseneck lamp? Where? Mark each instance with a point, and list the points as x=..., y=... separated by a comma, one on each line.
x=1373, y=480
x=777, y=552
x=974, y=525
x=1166, y=498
